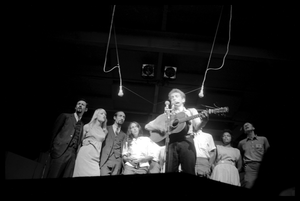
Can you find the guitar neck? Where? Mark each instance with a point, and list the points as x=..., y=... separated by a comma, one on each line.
x=210, y=111
x=189, y=118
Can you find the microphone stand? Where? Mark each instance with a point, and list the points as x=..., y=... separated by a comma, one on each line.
x=167, y=139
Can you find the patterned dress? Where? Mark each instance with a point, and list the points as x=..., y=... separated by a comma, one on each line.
x=88, y=157
x=225, y=169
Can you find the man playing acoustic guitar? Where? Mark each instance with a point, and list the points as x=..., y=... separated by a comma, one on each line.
x=180, y=150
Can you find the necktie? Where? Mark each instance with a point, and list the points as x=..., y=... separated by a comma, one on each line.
x=117, y=131
x=75, y=140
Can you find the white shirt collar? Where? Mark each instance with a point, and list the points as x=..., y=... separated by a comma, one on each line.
x=183, y=109
x=115, y=128
x=76, y=116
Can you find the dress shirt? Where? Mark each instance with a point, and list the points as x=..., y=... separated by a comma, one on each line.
x=204, y=144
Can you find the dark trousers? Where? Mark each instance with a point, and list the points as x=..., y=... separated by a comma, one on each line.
x=113, y=166
x=63, y=166
x=251, y=170
x=154, y=167
x=181, y=151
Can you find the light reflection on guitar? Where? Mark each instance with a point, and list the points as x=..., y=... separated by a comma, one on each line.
x=179, y=121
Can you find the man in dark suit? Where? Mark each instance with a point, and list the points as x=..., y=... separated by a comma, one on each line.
x=111, y=154
x=65, y=140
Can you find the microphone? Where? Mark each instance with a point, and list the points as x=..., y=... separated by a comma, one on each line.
x=167, y=103
x=201, y=94
x=120, y=91
x=167, y=110
x=172, y=110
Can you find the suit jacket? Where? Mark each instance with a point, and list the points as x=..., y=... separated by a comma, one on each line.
x=63, y=133
x=112, y=145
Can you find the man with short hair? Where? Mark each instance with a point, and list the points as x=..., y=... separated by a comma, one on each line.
x=65, y=141
x=252, y=149
x=180, y=150
x=111, y=152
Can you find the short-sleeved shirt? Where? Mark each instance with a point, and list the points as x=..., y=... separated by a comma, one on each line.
x=253, y=149
x=204, y=144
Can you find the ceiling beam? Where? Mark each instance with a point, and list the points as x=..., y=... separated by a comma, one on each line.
x=162, y=42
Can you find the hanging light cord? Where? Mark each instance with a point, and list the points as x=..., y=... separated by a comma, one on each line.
x=109, y=35
x=227, y=50
x=207, y=67
x=117, y=54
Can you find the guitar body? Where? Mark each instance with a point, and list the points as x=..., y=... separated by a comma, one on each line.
x=157, y=136
x=179, y=123
x=177, y=126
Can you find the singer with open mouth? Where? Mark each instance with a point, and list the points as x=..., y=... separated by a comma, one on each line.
x=178, y=133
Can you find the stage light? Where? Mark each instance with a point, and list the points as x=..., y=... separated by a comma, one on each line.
x=201, y=93
x=120, y=91
x=170, y=72
x=148, y=70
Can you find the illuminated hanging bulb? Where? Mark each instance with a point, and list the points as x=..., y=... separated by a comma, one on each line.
x=201, y=94
x=121, y=91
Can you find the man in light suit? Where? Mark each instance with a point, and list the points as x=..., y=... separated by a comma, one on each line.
x=65, y=140
x=111, y=153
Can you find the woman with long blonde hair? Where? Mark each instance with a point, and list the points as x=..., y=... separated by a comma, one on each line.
x=94, y=133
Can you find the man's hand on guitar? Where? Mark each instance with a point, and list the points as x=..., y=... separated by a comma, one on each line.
x=204, y=115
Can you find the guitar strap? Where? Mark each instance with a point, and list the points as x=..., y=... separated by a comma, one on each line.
x=189, y=123
x=189, y=110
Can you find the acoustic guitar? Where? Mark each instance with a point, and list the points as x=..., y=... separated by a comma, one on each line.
x=178, y=123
